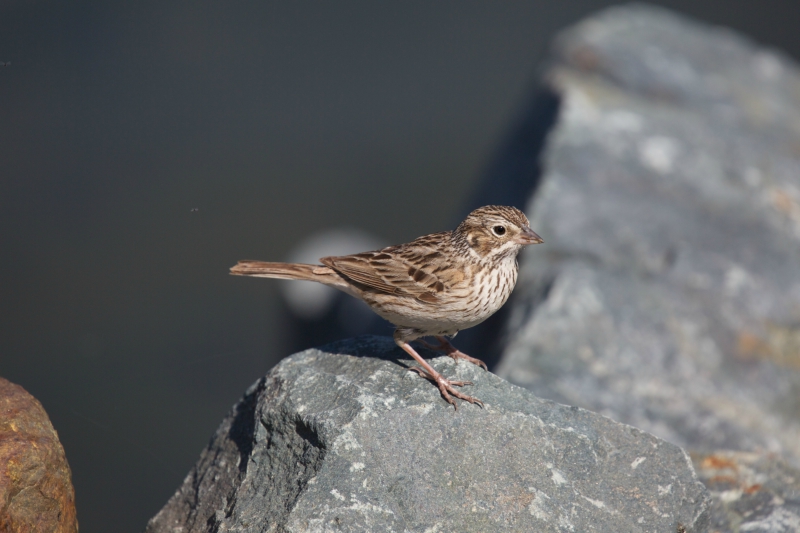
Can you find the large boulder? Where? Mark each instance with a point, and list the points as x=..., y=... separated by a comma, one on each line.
x=667, y=295
x=36, y=491
x=345, y=438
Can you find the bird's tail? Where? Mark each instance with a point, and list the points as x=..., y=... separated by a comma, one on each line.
x=318, y=273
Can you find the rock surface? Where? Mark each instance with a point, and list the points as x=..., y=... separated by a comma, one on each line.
x=752, y=492
x=667, y=295
x=345, y=438
x=36, y=491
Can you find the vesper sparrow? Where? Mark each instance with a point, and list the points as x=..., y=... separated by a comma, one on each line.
x=435, y=285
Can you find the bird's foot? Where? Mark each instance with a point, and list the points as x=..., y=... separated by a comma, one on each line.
x=428, y=372
x=446, y=387
x=452, y=351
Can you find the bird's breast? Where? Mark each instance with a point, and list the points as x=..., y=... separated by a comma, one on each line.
x=493, y=285
x=482, y=290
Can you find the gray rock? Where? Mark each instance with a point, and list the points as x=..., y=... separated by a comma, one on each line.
x=667, y=293
x=346, y=439
x=752, y=492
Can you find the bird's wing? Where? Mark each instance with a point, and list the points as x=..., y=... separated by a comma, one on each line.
x=417, y=270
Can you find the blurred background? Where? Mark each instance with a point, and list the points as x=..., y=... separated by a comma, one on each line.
x=145, y=147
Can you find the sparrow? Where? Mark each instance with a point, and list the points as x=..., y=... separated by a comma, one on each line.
x=435, y=285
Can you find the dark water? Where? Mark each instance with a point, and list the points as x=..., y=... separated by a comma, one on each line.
x=147, y=146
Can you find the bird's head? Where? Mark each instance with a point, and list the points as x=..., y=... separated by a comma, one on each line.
x=497, y=231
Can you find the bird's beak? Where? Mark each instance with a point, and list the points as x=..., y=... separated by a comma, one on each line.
x=528, y=236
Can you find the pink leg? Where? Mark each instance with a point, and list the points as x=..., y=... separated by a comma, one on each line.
x=452, y=351
x=445, y=386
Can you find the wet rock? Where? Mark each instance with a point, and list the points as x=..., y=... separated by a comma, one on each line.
x=36, y=491
x=667, y=293
x=345, y=438
x=753, y=492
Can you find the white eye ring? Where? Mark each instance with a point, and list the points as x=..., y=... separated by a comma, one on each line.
x=499, y=230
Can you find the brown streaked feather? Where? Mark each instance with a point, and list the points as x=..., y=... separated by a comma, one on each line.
x=318, y=273
x=428, y=298
x=358, y=268
x=406, y=270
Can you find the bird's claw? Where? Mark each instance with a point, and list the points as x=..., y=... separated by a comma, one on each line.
x=458, y=354
x=446, y=387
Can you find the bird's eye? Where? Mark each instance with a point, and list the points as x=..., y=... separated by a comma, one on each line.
x=499, y=230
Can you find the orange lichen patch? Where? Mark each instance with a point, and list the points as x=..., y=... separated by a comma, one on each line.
x=727, y=474
x=780, y=344
x=715, y=462
x=751, y=347
x=752, y=488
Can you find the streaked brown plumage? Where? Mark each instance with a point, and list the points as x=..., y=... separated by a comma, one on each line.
x=435, y=285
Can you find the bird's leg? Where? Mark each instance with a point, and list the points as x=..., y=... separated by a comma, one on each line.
x=452, y=351
x=428, y=372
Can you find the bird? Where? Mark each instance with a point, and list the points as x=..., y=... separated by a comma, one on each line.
x=433, y=286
